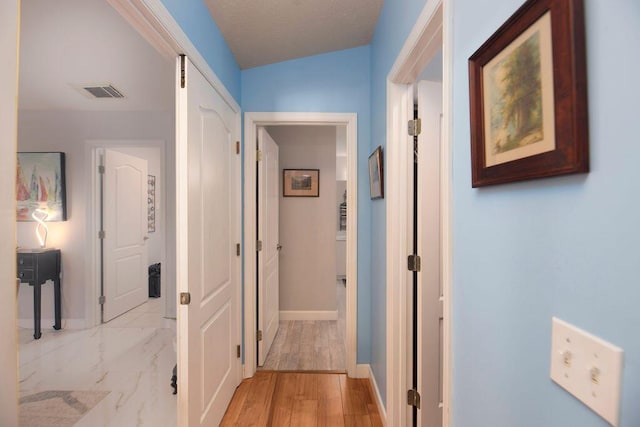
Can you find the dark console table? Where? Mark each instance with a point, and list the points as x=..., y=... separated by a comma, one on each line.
x=35, y=267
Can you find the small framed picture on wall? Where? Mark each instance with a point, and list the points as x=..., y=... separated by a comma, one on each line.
x=301, y=182
x=376, y=177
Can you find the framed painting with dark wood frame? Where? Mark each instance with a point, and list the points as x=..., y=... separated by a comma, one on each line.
x=528, y=94
x=301, y=182
x=376, y=175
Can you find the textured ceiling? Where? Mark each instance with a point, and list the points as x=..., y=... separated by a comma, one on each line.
x=267, y=31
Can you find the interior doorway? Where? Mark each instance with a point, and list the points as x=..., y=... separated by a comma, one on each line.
x=301, y=261
x=418, y=217
x=252, y=122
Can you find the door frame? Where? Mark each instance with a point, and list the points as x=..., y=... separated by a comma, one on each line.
x=251, y=123
x=9, y=39
x=431, y=32
x=154, y=23
x=93, y=268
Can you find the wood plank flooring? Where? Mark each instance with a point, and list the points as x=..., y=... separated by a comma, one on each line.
x=302, y=399
x=307, y=345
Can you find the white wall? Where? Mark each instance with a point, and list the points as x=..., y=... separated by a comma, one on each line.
x=69, y=132
x=308, y=224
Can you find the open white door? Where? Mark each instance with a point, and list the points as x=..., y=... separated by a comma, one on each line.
x=124, y=211
x=430, y=309
x=268, y=234
x=208, y=215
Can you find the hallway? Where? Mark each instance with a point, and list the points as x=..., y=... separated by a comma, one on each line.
x=285, y=399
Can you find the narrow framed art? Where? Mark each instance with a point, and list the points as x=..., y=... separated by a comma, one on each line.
x=528, y=96
x=376, y=174
x=41, y=185
x=301, y=182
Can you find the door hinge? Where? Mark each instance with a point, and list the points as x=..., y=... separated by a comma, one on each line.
x=259, y=245
x=237, y=249
x=259, y=335
x=413, y=263
x=101, y=234
x=259, y=156
x=183, y=80
x=238, y=351
x=101, y=169
x=185, y=298
x=102, y=299
x=413, y=398
x=237, y=147
x=414, y=127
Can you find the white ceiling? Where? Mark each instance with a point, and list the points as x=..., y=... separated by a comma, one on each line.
x=268, y=31
x=68, y=43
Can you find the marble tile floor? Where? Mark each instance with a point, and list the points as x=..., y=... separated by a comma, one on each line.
x=132, y=357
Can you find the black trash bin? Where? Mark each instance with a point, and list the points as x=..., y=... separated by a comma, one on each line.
x=154, y=280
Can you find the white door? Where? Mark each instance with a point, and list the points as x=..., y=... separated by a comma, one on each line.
x=430, y=310
x=124, y=211
x=208, y=216
x=268, y=257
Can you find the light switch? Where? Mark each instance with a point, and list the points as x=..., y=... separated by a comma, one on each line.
x=587, y=367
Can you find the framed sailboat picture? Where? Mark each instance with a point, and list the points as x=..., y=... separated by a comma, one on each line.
x=40, y=185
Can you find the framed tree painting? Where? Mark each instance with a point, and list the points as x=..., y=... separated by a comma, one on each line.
x=41, y=185
x=528, y=96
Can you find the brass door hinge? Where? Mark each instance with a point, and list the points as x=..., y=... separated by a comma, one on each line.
x=259, y=245
x=237, y=249
x=238, y=351
x=259, y=156
x=237, y=147
x=259, y=335
x=414, y=127
x=183, y=74
x=413, y=263
x=185, y=298
x=413, y=398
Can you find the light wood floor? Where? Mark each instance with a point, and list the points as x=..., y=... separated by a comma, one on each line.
x=307, y=345
x=296, y=399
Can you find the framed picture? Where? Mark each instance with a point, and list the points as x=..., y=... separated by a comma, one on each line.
x=151, y=204
x=376, y=175
x=41, y=185
x=528, y=95
x=301, y=182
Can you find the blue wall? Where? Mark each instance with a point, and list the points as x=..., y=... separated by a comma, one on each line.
x=336, y=82
x=565, y=247
x=195, y=20
x=396, y=21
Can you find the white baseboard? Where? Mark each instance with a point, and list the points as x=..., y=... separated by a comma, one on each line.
x=376, y=392
x=46, y=324
x=364, y=371
x=308, y=315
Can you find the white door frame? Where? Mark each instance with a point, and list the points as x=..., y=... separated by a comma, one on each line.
x=431, y=32
x=9, y=36
x=154, y=22
x=251, y=123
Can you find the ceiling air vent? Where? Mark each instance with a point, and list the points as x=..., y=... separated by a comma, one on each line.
x=104, y=91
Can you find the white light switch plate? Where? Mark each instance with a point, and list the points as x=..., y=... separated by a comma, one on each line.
x=587, y=367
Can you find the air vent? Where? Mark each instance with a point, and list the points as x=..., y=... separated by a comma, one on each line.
x=106, y=91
